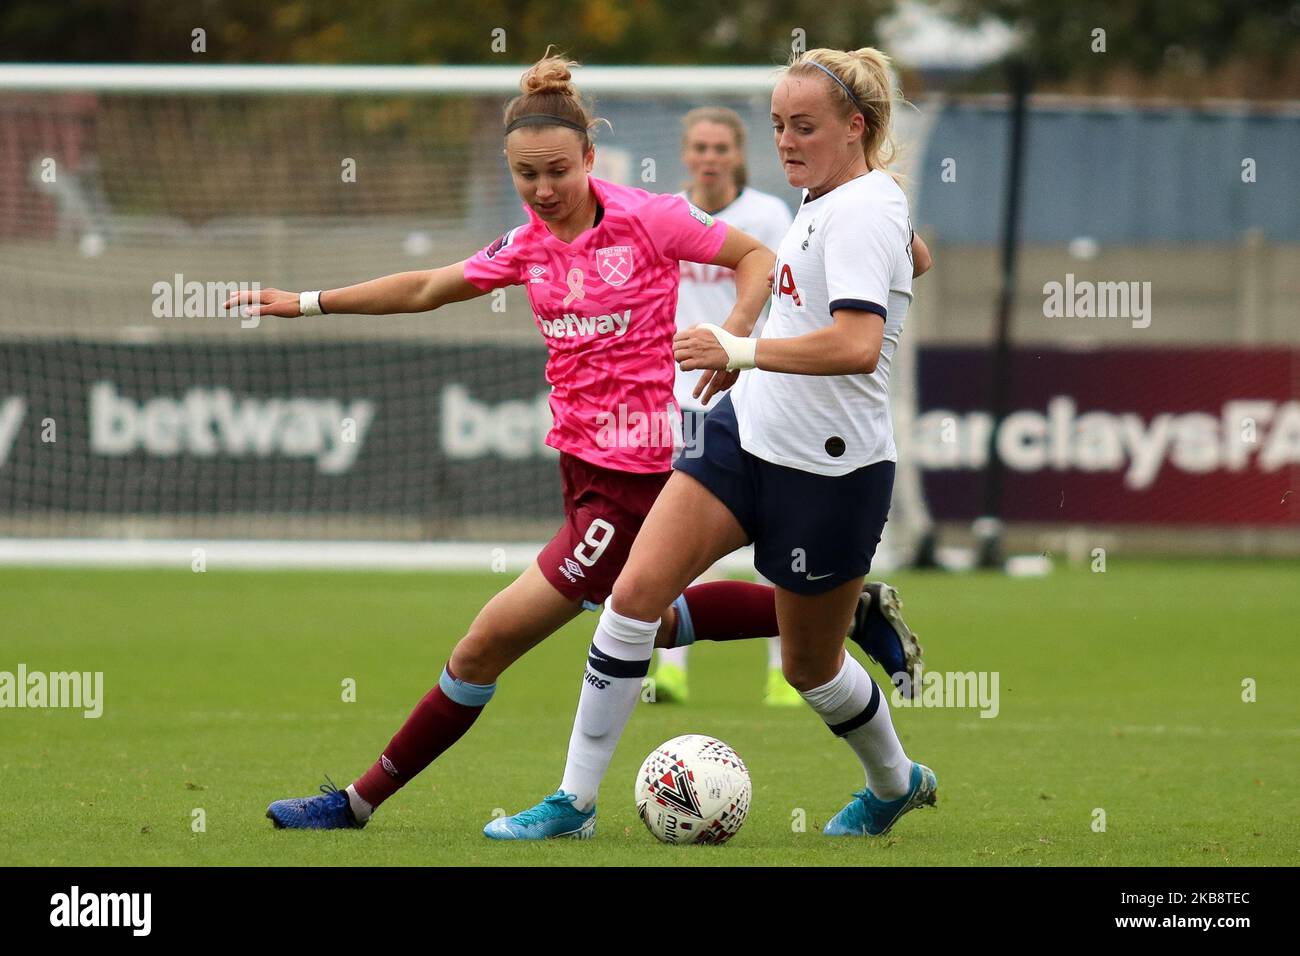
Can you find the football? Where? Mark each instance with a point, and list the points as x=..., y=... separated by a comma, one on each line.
x=693, y=789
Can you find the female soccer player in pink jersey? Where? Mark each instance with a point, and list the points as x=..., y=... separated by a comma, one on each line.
x=600, y=265
x=798, y=458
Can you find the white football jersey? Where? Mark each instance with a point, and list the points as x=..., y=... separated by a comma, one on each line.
x=849, y=248
x=707, y=293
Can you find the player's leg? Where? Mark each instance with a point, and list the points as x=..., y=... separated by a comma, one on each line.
x=589, y=547
x=778, y=692
x=675, y=656
x=670, y=681
x=712, y=609
x=515, y=620
x=686, y=531
x=817, y=556
x=835, y=684
x=843, y=694
x=739, y=610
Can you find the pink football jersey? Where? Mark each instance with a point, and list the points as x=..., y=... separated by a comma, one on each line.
x=606, y=304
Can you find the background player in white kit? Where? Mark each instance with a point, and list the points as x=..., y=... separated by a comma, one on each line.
x=713, y=150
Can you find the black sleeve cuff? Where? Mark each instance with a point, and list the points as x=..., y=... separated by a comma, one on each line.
x=862, y=305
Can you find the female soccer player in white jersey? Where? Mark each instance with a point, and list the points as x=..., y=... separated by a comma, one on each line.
x=713, y=151
x=600, y=265
x=798, y=458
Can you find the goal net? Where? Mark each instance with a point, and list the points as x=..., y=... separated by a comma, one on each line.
x=133, y=200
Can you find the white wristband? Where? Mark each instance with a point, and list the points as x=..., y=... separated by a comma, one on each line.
x=740, y=351
x=309, y=303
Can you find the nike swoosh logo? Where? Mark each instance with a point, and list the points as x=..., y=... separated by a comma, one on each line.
x=819, y=577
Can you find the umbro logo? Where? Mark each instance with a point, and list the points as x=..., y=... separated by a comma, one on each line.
x=537, y=274
x=390, y=768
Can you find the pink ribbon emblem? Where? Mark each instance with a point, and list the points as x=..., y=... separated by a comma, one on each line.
x=575, y=287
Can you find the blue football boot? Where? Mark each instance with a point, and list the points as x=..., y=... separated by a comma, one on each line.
x=866, y=815
x=331, y=811
x=553, y=818
x=878, y=629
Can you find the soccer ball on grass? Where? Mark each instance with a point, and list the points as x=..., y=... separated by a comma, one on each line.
x=693, y=789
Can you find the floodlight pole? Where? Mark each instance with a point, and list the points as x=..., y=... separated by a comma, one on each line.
x=988, y=528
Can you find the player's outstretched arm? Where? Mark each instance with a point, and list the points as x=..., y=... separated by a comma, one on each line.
x=421, y=291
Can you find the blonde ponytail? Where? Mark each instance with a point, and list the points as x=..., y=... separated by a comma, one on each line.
x=860, y=81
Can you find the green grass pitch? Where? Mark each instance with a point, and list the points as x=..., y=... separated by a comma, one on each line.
x=1120, y=691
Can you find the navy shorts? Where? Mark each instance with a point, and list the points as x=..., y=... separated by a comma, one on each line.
x=811, y=533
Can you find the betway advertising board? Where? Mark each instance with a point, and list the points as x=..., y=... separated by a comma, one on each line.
x=349, y=428
x=1163, y=436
